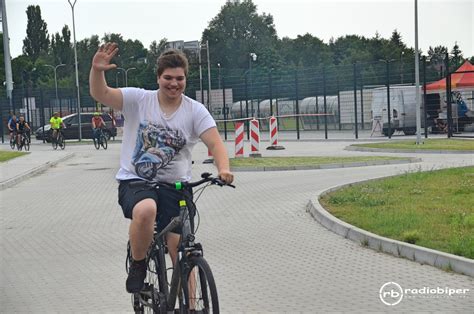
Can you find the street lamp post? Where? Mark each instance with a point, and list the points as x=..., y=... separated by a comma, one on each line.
x=55, y=68
x=77, y=71
x=252, y=57
x=126, y=74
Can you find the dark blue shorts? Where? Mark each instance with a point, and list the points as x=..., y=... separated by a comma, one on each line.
x=166, y=199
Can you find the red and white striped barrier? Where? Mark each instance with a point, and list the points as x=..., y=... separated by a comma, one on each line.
x=239, y=139
x=273, y=131
x=274, y=134
x=254, y=138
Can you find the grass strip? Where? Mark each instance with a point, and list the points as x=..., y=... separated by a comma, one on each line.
x=302, y=161
x=4, y=155
x=433, y=209
x=429, y=144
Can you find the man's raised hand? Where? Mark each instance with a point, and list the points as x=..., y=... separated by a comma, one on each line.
x=105, y=53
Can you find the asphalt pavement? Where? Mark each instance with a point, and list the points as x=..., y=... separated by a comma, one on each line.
x=63, y=238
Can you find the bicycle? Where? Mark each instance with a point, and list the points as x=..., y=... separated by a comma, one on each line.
x=59, y=140
x=101, y=140
x=192, y=283
x=24, y=142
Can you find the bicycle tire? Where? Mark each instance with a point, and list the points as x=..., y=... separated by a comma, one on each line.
x=103, y=141
x=96, y=143
x=54, y=143
x=12, y=144
x=62, y=142
x=150, y=292
x=26, y=144
x=203, y=296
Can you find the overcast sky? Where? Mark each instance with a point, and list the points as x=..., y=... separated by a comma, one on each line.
x=440, y=22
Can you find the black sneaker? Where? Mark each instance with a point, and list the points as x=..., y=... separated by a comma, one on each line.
x=136, y=276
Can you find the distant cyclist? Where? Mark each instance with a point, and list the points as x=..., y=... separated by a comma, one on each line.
x=56, y=124
x=97, y=124
x=22, y=127
x=12, y=127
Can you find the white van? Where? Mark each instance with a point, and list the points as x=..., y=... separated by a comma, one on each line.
x=402, y=106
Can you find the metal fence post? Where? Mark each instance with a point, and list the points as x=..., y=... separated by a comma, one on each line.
x=355, y=102
x=247, y=108
x=425, y=105
x=270, y=91
x=297, y=106
x=448, y=97
x=325, y=105
x=388, y=100
x=338, y=102
x=224, y=109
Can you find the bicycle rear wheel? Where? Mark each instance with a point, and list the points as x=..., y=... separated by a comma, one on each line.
x=103, y=141
x=200, y=295
x=147, y=300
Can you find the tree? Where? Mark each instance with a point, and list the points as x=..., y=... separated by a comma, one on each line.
x=457, y=58
x=436, y=56
x=236, y=32
x=37, y=38
x=61, y=47
x=306, y=50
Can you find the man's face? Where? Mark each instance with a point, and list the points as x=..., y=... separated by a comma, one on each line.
x=172, y=82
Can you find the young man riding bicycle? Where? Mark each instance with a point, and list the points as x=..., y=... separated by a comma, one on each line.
x=97, y=124
x=22, y=127
x=56, y=125
x=12, y=127
x=160, y=130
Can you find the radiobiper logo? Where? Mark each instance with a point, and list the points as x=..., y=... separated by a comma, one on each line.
x=391, y=293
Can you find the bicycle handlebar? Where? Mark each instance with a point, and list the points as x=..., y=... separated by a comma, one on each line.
x=179, y=185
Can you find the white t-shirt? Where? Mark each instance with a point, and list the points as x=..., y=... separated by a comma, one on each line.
x=155, y=147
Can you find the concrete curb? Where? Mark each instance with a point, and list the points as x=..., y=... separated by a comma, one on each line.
x=418, y=151
x=331, y=166
x=412, y=252
x=34, y=171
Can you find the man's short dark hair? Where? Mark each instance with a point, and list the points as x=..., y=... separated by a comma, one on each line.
x=172, y=58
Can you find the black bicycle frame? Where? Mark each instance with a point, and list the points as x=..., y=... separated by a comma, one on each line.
x=179, y=267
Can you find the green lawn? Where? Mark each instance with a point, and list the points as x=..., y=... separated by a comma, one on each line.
x=4, y=155
x=429, y=144
x=302, y=161
x=433, y=209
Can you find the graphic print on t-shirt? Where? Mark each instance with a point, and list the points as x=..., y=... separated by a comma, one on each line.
x=156, y=147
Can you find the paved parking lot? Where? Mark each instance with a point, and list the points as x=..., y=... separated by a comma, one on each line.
x=63, y=240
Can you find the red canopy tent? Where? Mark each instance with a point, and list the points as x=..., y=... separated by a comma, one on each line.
x=458, y=80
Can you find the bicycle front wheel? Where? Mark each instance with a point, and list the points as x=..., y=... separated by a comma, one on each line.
x=27, y=144
x=96, y=143
x=103, y=141
x=199, y=293
x=62, y=142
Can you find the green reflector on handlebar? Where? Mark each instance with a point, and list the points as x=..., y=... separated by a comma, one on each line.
x=178, y=185
x=182, y=203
